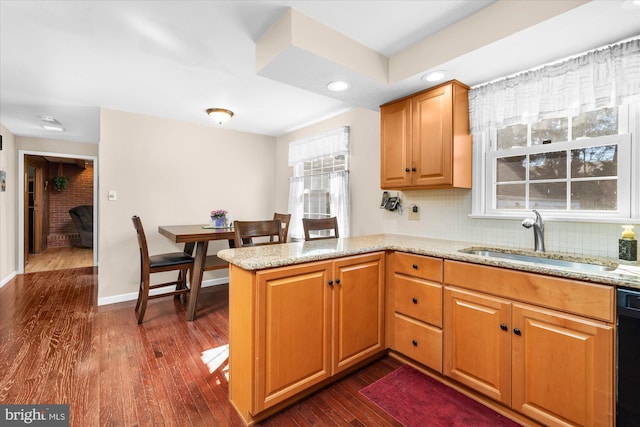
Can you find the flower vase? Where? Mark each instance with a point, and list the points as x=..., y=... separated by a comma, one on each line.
x=218, y=221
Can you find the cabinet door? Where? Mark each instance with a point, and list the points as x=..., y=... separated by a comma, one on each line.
x=562, y=368
x=432, y=137
x=477, y=349
x=293, y=336
x=395, y=143
x=358, y=309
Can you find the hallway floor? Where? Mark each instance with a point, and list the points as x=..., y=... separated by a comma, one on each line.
x=60, y=259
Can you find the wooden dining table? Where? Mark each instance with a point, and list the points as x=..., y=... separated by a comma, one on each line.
x=199, y=236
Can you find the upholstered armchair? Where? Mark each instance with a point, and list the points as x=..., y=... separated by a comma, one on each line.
x=83, y=219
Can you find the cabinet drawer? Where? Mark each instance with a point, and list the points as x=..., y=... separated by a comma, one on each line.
x=421, y=342
x=567, y=295
x=420, y=266
x=419, y=299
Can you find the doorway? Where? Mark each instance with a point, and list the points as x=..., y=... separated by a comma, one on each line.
x=51, y=237
x=37, y=206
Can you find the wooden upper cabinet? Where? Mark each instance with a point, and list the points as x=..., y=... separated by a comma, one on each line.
x=395, y=151
x=425, y=140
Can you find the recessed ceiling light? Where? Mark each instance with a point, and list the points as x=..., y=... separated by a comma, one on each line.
x=339, y=86
x=54, y=128
x=433, y=76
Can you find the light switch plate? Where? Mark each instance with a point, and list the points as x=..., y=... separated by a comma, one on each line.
x=113, y=195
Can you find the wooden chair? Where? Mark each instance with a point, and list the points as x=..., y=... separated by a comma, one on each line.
x=318, y=225
x=284, y=219
x=246, y=231
x=174, y=261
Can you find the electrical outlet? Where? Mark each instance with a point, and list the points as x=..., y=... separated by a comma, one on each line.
x=414, y=213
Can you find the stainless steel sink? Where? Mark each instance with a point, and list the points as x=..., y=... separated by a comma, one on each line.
x=573, y=264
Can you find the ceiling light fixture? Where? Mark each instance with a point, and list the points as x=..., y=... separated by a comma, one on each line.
x=49, y=119
x=339, y=86
x=54, y=128
x=220, y=115
x=434, y=76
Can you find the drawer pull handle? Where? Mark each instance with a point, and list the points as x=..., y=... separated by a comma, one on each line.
x=415, y=266
x=517, y=331
x=415, y=300
x=415, y=343
x=504, y=327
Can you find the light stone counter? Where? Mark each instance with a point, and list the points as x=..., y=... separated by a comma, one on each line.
x=270, y=256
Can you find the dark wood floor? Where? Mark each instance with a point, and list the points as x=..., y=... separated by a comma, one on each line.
x=57, y=346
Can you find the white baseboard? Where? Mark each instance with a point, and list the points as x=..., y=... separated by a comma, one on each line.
x=8, y=279
x=132, y=296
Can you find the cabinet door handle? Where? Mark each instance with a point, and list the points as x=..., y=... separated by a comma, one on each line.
x=415, y=343
x=406, y=169
x=413, y=169
x=517, y=331
x=415, y=266
x=415, y=300
x=504, y=327
x=337, y=281
x=330, y=282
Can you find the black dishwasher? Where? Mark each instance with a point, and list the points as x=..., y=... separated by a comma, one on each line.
x=628, y=364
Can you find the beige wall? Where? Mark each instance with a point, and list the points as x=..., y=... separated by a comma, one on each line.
x=8, y=208
x=170, y=172
x=364, y=166
x=56, y=146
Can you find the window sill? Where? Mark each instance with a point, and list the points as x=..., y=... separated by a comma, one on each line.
x=558, y=218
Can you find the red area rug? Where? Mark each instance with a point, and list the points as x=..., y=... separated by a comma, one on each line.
x=415, y=399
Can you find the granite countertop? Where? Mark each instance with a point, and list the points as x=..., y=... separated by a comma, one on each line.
x=270, y=256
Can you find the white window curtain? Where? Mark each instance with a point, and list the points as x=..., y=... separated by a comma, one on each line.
x=328, y=144
x=604, y=77
x=339, y=193
x=296, y=207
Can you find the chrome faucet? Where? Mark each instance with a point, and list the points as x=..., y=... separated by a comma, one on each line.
x=538, y=230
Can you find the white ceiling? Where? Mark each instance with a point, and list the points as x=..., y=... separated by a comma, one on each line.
x=175, y=59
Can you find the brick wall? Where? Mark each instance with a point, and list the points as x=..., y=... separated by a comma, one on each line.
x=79, y=191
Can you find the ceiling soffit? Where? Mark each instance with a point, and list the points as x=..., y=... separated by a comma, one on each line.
x=301, y=52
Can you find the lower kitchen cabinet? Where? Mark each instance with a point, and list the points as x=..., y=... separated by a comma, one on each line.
x=477, y=344
x=561, y=367
x=294, y=327
x=416, y=295
x=552, y=366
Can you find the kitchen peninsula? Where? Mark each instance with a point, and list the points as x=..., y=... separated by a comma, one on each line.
x=304, y=314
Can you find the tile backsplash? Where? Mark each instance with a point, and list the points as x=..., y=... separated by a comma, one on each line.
x=444, y=215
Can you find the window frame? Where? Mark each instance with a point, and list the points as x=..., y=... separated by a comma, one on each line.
x=628, y=203
x=299, y=172
x=623, y=176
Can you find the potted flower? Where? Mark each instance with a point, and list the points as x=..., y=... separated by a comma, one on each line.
x=218, y=217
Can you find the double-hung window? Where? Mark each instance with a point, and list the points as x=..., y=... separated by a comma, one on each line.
x=319, y=187
x=561, y=138
x=575, y=166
